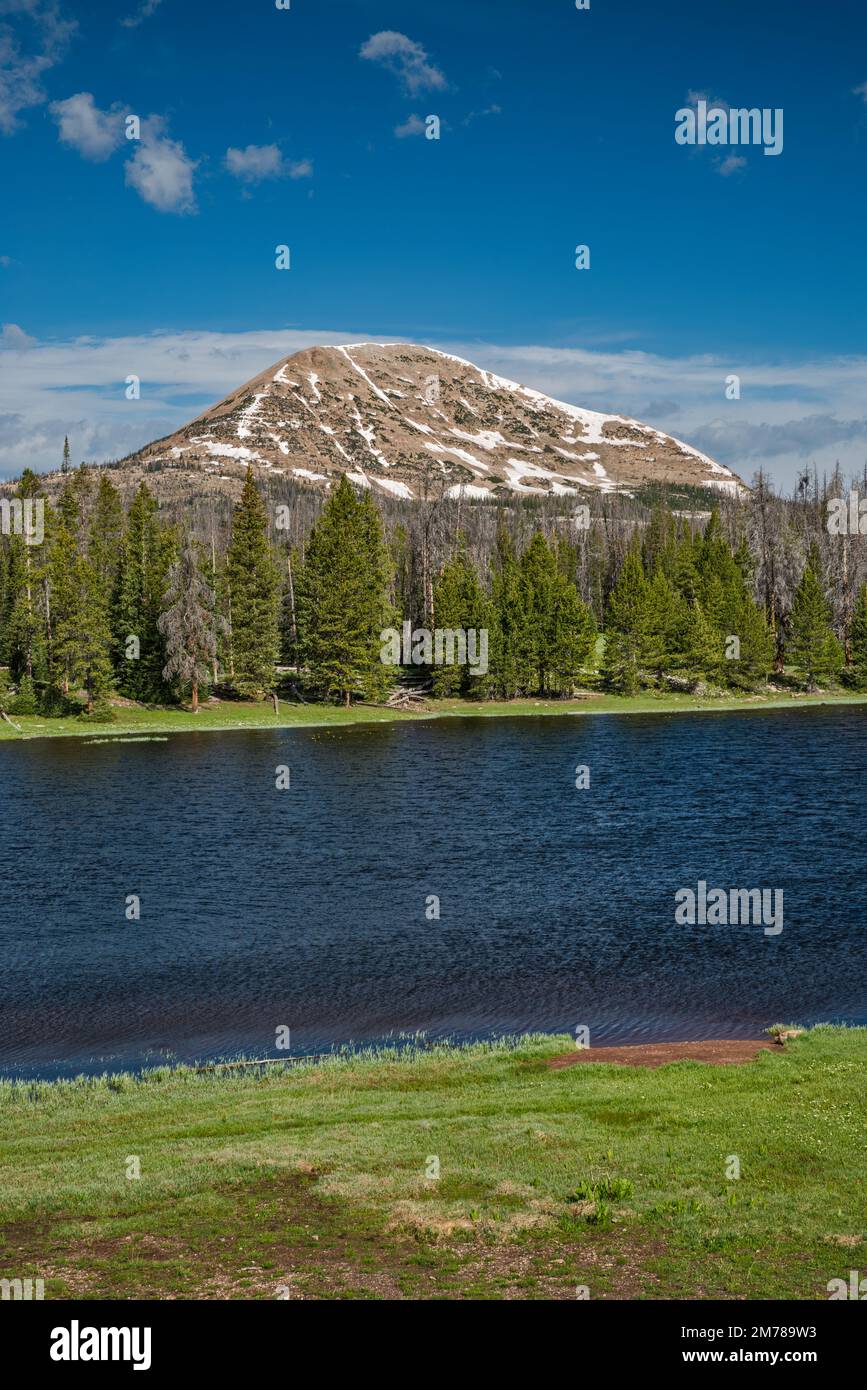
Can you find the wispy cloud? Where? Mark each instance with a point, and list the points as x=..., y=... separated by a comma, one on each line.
x=405, y=58
x=731, y=164
x=258, y=162
x=413, y=125
x=29, y=47
x=725, y=165
x=147, y=9
x=493, y=110
x=788, y=411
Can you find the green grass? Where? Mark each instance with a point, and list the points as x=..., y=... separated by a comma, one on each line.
x=141, y=721
x=316, y=1179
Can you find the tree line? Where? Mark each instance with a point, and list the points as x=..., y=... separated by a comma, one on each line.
x=123, y=601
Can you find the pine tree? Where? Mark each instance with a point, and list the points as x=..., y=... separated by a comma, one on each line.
x=187, y=623
x=461, y=604
x=858, y=640
x=572, y=638
x=64, y=601
x=510, y=641
x=701, y=652
x=381, y=609
x=24, y=637
x=685, y=576
x=18, y=624
x=664, y=608
x=756, y=659
x=341, y=597
x=812, y=647
x=146, y=557
x=560, y=633
x=91, y=635
x=64, y=467
x=254, y=594
x=105, y=535
x=628, y=627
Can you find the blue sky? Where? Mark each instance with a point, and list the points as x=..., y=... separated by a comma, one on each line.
x=263, y=127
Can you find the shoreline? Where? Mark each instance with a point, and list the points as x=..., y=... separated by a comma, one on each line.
x=144, y=723
x=239, y=1069
x=480, y=1172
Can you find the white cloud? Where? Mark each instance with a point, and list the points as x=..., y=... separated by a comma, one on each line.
x=406, y=59
x=861, y=92
x=134, y=20
x=731, y=164
x=493, y=110
x=808, y=409
x=413, y=125
x=5, y=261
x=36, y=43
x=14, y=339
x=161, y=171
x=95, y=134
x=258, y=162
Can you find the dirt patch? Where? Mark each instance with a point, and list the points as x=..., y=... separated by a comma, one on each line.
x=719, y=1052
x=277, y=1239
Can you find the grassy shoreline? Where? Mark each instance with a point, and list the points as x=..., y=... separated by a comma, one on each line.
x=228, y=716
x=317, y=1182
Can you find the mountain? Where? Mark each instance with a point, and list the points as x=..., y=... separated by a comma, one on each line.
x=410, y=422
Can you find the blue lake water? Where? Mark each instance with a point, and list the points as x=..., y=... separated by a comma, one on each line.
x=306, y=908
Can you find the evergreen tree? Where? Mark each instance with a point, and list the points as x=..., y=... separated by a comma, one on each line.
x=254, y=595
x=756, y=659
x=342, y=598
x=105, y=535
x=701, y=652
x=664, y=609
x=146, y=556
x=813, y=648
x=379, y=575
x=64, y=467
x=858, y=639
x=461, y=604
x=628, y=627
x=686, y=579
x=510, y=641
x=187, y=623
x=560, y=630
x=91, y=634
x=64, y=600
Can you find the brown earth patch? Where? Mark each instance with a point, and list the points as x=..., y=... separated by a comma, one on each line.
x=282, y=1241
x=717, y=1052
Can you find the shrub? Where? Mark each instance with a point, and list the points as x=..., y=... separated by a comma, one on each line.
x=25, y=701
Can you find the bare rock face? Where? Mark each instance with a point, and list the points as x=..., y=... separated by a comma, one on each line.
x=411, y=422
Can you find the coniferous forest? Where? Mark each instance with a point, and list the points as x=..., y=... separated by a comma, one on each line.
x=292, y=597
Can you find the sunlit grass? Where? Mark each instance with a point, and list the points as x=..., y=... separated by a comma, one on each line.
x=523, y=1154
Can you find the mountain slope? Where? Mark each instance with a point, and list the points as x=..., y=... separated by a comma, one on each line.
x=410, y=421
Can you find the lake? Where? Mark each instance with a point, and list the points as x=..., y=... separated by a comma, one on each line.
x=312, y=907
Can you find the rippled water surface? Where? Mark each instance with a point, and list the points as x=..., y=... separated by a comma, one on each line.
x=307, y=907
